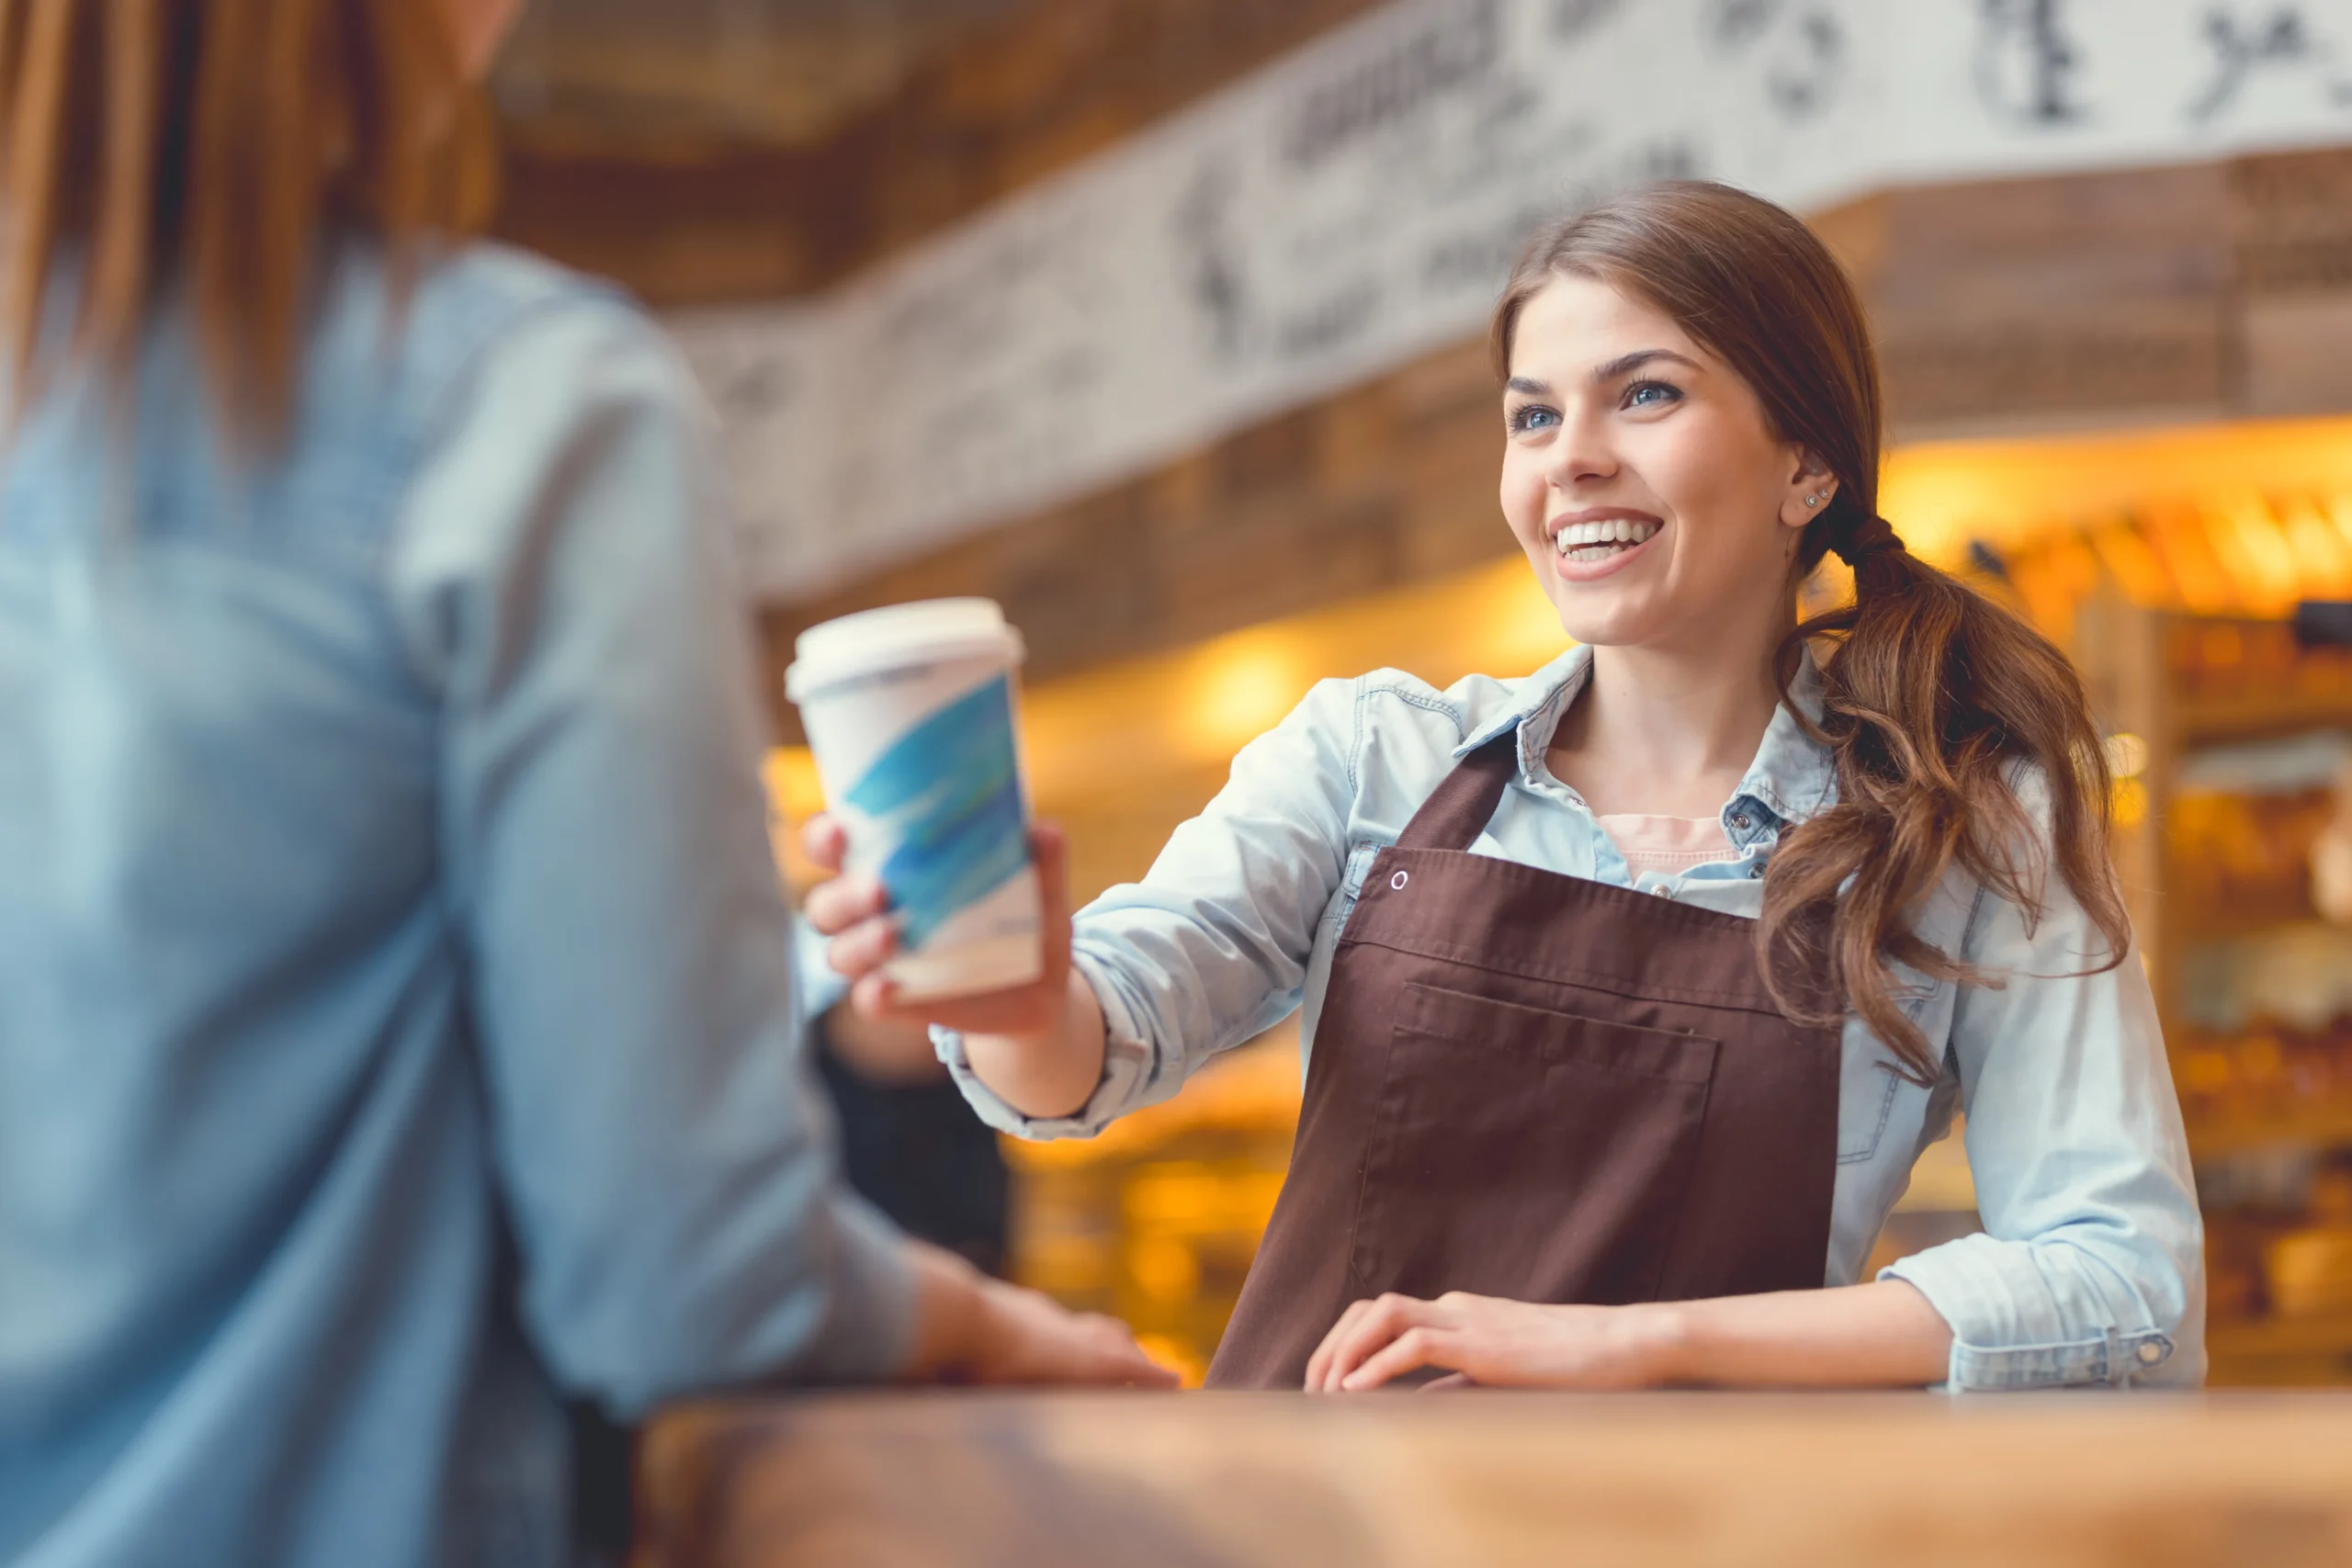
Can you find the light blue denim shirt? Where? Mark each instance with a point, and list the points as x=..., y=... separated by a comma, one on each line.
x=395, y=998
x=2090, y=1267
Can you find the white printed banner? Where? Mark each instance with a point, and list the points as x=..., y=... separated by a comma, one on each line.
x=1359, y=202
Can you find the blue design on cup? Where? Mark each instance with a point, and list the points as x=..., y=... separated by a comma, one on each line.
x=949, y=791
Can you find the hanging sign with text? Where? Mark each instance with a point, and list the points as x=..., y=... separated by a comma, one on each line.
x=1358, y=204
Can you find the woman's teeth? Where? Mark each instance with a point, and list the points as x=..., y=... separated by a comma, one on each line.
x=1599, y=541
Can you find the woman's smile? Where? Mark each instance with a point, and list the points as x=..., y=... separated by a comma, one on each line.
x=1600, y=541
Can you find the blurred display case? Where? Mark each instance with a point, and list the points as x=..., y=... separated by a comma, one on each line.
x=2232, y=743
x=1157, y=1219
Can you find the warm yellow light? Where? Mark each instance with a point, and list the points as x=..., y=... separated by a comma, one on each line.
x=2130, y=803
x=1176, y=1356
x=1942, y=494
x=2255, y=549
x=1516, y=628
x=2127, y=755
x=1239, y=687
x=790, y=774
x=2323, y=555
x=1107, y=730
x=2134, y=566
x=1163, y=1267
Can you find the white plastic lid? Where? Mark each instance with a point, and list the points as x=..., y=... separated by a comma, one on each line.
x=926, y=632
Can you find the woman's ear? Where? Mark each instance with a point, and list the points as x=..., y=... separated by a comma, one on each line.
x=1810, y=491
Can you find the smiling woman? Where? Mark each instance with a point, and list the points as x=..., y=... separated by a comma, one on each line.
x=1762, y=401
x=1634, y=988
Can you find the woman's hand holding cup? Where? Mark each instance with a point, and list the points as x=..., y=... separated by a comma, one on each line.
x=1039, y=1046
x=854, y=911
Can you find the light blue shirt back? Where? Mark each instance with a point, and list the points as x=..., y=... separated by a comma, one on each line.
x=395, y=1016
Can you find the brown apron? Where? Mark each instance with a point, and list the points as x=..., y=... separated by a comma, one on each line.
x=1538, y=1087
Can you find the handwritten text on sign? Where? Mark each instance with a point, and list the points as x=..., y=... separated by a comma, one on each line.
x=1359, y=203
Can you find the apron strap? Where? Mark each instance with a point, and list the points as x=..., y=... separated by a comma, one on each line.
x=1458, y=810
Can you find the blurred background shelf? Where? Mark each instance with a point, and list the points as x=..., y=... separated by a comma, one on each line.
x=2208, y=721
x=2236, y=747
x=2212, y=1138
x=2281, y=1352
x=2329, y=1336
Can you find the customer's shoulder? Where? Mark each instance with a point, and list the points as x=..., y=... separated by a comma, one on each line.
x=404, y=350
x=484, y=285
x=433, y=318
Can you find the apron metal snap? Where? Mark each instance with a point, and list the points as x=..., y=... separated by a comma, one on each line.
x=1740, y=823
x=1398, y=881
x=1663, y=891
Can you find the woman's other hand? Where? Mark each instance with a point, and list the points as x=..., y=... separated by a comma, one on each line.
x=1881, y=1335
x=974, y=1329
x=1486, y=1340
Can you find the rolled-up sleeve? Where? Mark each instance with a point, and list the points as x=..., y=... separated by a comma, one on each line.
x=2089, y=1270
x=563, y=580
x=1211, y=947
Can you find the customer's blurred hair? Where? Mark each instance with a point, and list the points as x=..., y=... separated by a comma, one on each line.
x=1938, y=703
x=206, y=145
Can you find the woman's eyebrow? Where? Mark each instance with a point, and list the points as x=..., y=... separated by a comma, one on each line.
x=1625, y=364
x=1529, y=385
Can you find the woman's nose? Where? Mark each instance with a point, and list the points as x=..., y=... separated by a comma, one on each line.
x=1581, y=454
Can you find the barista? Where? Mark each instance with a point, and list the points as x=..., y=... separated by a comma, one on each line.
x=1634, y=988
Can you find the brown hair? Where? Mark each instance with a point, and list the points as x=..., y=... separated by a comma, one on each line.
x=1933, y=695
x=204, y=145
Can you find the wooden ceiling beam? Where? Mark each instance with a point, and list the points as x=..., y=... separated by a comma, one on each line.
x=686, y=219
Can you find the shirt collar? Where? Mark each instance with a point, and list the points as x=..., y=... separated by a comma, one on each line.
x=1542, y=698
x=1794, y=776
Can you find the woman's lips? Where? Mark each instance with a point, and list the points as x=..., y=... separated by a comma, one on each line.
x=1569, y=571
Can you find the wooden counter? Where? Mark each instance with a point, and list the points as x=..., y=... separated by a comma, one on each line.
x=1211, y=1480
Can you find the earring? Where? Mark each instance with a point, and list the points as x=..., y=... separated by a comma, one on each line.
x=1812, y=501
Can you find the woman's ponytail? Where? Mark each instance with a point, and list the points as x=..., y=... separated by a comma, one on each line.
x=1943, y=711
x=1962, y=736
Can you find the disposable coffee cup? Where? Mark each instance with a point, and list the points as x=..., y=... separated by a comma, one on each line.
x=910, y=713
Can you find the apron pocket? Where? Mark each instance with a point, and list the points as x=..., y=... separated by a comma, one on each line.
x=1523, y=1152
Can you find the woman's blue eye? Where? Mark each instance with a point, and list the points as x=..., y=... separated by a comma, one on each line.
x=1650, y=394
x=1534, y=418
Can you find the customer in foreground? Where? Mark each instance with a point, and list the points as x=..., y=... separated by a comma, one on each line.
x=1632, y=988
x=396, y=1027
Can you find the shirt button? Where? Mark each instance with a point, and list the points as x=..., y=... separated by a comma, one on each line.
x=1663, y=891
x=1755, y=873
x=1740, y=823
x=2149, y=1353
